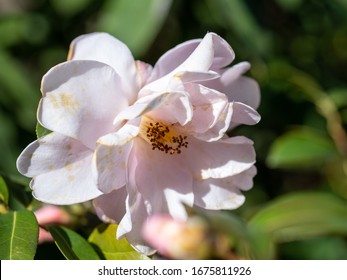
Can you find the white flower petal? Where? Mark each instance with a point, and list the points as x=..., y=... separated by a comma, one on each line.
x=208, y=106
x=230, y=74
x=111, y=158
x=175, y=108
x=217, y=194
x=80, y=100
x=212, y=53
x=173, y=58
x=162, y=181
x=244, y=90
x=219, y=128
x=107, y=49
x=61, y=168
x=136, y=212
x=53, y=151
x=244, y=114
x=144, y=71
x=161, y=104
x=110, y=207
x=219, y=159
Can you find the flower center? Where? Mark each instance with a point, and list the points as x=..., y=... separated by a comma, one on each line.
x=165, y=138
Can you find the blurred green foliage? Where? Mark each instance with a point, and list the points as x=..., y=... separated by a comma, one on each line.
x=298, y=52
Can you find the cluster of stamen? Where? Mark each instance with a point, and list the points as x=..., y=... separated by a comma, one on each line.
x=160, y=137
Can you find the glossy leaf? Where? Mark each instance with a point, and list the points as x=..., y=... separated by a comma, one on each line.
x=299, y=216
x=72, y=245
x=18, y=235
x=104, y=238
x=41, y=131
x=300, y=148
x=136, y=23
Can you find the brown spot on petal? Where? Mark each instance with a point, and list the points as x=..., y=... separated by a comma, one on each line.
x=64, y=101
x=71, y=178
x=68, y=166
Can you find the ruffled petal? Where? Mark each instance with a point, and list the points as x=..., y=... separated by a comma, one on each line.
x=218, y=130
x=244, y=114
x=220, y=159
x=212, y=53
x=219, y=194
x=167, y=106
x=107, y=49
x=208, y=106
x=111, y=158
x=244, y=90
x=173, y=58
x=110, y=207
x=61, y=168
x=80, y=100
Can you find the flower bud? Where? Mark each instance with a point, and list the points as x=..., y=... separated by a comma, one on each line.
x=177, y=239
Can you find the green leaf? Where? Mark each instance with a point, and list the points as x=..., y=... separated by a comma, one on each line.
x=72, y=245
x=121, y=19
x=299, y=216
x=3, y=191
x=104, y=238
x=41, y=131
x=18, y=235
x=301, y=148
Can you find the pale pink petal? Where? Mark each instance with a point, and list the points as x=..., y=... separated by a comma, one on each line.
x=212, y=53
x=219, y=159
x=244, y=114
x=62, y=170
x=161, y=104
x=110, y=207
x=244, y=90
x=173, y=58
x=136, y=212
x=111, y=157
x=244, y=180
x=175, y=108
x=217, y=194
x=80, y=100
x=53, y=151
x=144, y=71
x=107, y=49
x=219, y=128
x=163, y=182
x=230, y=74
x=208, y=106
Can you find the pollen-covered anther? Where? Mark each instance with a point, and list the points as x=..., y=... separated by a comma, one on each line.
x=164, y=139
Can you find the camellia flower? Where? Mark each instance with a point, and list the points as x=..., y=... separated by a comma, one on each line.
x=141, y=140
